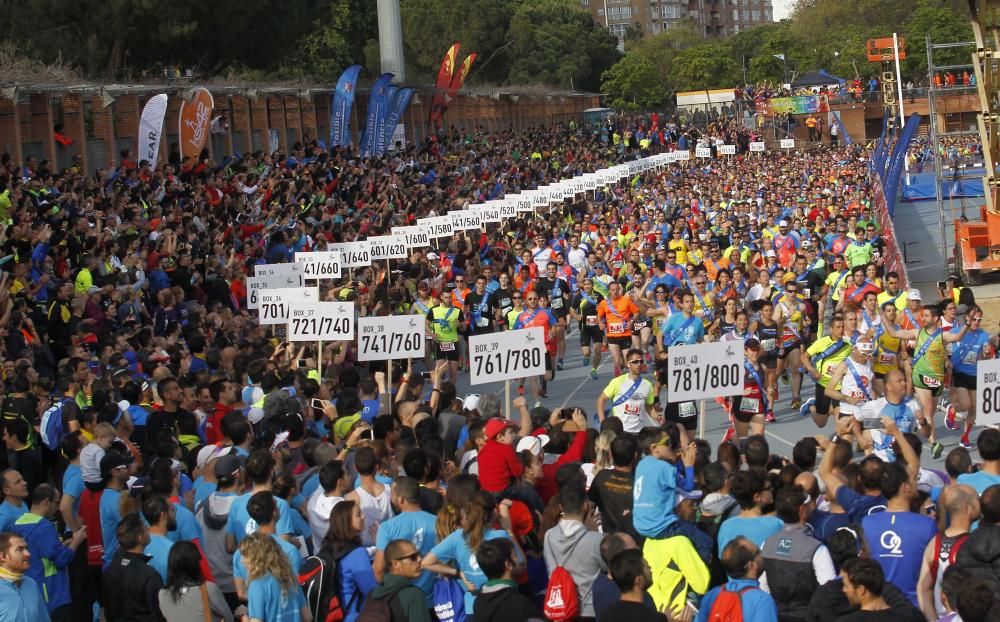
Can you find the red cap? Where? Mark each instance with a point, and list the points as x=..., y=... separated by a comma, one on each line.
x=497, y=425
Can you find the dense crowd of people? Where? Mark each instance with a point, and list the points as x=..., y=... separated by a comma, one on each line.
x=169, y=458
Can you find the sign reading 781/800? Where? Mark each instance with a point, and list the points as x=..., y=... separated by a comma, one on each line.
x=507, y=355
x=705, y=370
x=390, y=337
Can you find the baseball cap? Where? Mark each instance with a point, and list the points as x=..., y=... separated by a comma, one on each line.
x=685, y=495
x=534, y=444
x=229, y=464
x=432, y=256
x=205, y=454
x=496, y=425
x=93, y=289
x=342, y=427
x=914, y=294
x=471, y=401
x=783, y=223
x=113, y=460
x=770, y=253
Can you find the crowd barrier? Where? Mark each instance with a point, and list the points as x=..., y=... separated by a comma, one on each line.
x=893, y=254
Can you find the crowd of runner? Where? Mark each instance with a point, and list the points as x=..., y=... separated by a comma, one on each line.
x=168, y=458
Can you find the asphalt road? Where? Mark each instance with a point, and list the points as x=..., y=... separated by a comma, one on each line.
x=573, y=386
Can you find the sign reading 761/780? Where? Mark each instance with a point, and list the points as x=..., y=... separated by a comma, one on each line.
x=507, y=355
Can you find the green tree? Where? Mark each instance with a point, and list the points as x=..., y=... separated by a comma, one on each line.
x=634, y=84
x=704, y=66
x=944, y=26
x=557, y=43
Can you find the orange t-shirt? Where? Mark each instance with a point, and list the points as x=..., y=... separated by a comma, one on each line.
x=617, y=314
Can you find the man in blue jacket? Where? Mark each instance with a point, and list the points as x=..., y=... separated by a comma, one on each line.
x=743, y=563
x=50, y=558
x=20, y=596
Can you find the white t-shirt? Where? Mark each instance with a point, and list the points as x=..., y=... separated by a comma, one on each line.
x=318, y=509
x=849, y=386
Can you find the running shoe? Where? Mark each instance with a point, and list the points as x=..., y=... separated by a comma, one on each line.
x=936, y=450
x=965, y=442
x=537, y=404
x=543, y=393
x=586, y=361
x=593, y=373
x=559, y=364
x=769, y=417
x=796, y=402
x=949, y=418
x=804, y=408
x=730, y=433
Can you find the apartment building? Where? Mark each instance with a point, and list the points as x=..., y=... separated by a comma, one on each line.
x=715, y=18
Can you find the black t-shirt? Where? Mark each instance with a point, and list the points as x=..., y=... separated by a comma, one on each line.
x=556, y=290
x=181, y=422
x=611, y=491
x=587, y=308
x=481, y=311
x=502, y=299
x=633, y=612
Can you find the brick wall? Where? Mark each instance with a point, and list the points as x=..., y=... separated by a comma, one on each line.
x=28, y=126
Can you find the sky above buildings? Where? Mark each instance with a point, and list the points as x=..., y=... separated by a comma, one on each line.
x=782, y=8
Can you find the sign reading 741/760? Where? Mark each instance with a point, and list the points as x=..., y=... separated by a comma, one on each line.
x=507, y=355
x=390, y=337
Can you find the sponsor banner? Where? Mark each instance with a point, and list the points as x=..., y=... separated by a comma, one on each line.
x=195, y=119
x=445, y=74
x=151, y=128
x=378, y=105
x=893, y=260
x=800, y=104
x=397, y=106
x=340, y=110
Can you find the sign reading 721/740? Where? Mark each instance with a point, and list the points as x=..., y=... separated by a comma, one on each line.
x=390, y=337
x=507, y=355
x=321, y=321
x=705, y=370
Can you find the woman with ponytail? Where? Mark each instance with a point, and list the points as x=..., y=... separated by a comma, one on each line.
x=460, y=491
x=459, y=547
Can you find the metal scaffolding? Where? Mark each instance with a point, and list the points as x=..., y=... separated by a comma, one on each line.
x=956, y=168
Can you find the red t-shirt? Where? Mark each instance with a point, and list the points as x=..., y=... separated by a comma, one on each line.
x=498, y=466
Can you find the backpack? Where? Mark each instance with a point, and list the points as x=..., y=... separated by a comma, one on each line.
x=562, y=600
x=385, y=609
x=320, y=582
x=449, y=600
x=51, y=427
x=728, y=606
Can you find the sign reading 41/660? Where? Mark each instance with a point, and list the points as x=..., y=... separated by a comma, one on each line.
x=390, y=337
x=705, y=370
x=507, y=355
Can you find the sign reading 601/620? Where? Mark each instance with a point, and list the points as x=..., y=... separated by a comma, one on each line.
x=705, y=370
x=390, y=337
x=507, y=355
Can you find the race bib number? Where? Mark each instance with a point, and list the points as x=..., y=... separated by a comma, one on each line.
x=686, y=409
x=768, y=344
x=590, y=320
x=483, y=322
x=930, y=381
x=749, y=405
x=971, y=358
x=447, y=346
x=556, y=302
x=616, y=327
x=830, y=369
x=806, y=292
x=640, y=325
x=887, y=358
x=631, y=409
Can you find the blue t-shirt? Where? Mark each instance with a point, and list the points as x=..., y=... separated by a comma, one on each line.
x=369, y=410
x=754, y=528
x=202, y=490
x=653, y=492
x=965, y=354
x=73, y=485
x=454, y=549
x=897, y=541
x=420, y=529
x=187, y=527
x=680, y=330
x=292, y=553
x=857, y=505
x=980, y=481
x=159, y=549
x=310, y=485
x=10, y=513
x=266, y=601
x=667, y=279
x=241, y=525
x=109, y=523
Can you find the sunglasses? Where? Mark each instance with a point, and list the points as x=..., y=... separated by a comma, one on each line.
x=412, y=557
x=635, y=362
